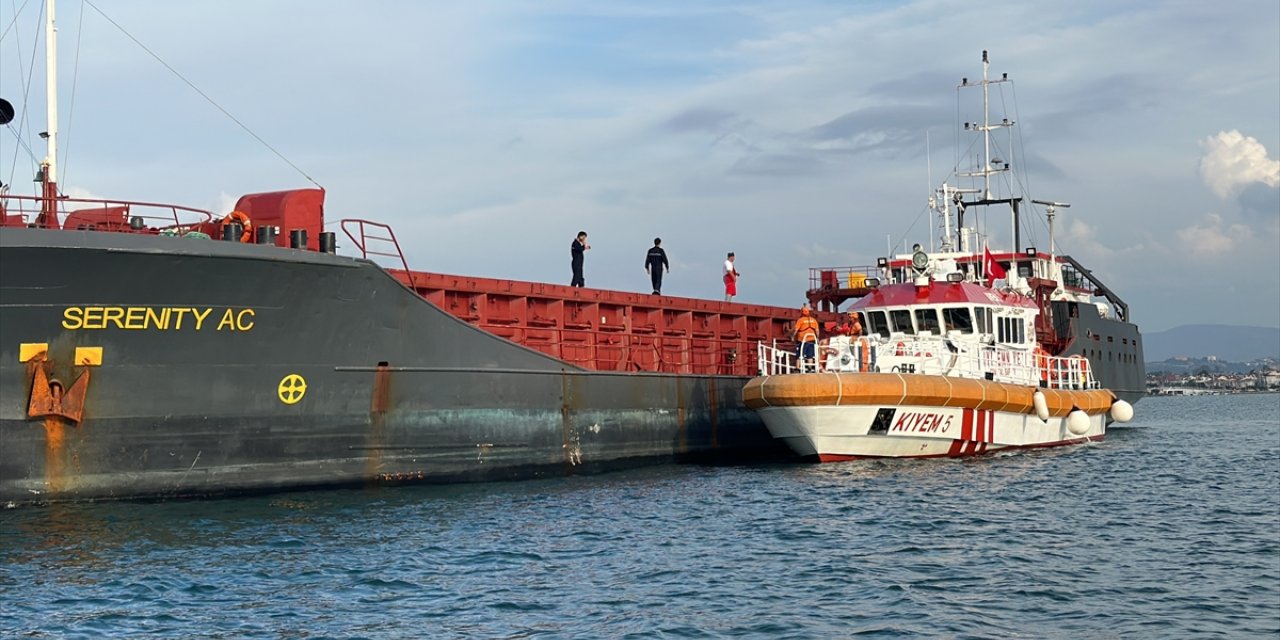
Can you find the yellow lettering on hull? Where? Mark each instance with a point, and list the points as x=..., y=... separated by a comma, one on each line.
x=155, y=318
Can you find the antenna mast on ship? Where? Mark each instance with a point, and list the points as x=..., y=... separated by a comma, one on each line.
x=991, y=166
x=49, y=166
x=946, y=196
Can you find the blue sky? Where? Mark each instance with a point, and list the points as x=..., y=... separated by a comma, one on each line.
x=792, y=133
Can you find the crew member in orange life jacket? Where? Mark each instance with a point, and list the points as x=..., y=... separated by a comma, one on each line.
x=854, y=325
x=806, y=333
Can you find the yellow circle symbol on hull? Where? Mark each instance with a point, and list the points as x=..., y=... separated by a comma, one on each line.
x=291, y=389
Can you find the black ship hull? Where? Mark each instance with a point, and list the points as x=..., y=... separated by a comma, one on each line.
x=216, y=367
x=1113, y=347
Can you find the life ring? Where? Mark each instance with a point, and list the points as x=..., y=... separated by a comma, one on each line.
x=243, y=219
x=901, y=349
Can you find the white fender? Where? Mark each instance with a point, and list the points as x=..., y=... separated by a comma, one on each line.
x=1121, y=411
x=1078, y=422
x=1041, y=405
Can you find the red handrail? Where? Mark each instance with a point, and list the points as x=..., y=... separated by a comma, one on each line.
x=363, y=242
x=128, y=206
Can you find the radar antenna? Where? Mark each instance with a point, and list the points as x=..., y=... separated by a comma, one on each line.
x=1050, y=211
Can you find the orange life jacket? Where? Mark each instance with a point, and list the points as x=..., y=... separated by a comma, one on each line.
x=806, y=329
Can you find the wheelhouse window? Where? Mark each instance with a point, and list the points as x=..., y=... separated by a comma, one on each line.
x=900, y=320
x=877, y=322
x=1011, y=330
x=983, y=320
x=927, y=321
x=957, y=319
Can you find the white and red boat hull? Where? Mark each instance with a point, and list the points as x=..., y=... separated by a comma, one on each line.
x=833, y=433
x=837, y=416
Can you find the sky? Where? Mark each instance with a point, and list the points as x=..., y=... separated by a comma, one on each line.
x=797, y=134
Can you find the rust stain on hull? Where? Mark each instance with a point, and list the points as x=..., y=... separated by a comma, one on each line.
x=379, y=404
x=571, y=441
x=55, y=446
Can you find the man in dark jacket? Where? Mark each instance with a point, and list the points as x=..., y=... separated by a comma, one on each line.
x=575, y=253
x=654, y=263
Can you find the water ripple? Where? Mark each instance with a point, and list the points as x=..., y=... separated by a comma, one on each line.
x=1166, y=529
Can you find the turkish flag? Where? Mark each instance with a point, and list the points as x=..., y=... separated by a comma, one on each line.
x=993, y=268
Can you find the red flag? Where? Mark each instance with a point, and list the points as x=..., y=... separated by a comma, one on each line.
x=993, y=268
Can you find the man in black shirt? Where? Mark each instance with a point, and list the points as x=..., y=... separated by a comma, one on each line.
x=575, y=251
x=654, y=263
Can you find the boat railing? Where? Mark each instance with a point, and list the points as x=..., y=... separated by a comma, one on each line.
x=92, y=214
x=841, y=277
x=935, y=355
x=365, y=236
x=773, y=361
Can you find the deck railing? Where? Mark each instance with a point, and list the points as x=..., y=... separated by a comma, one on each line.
x=932, y=356
x=124, y=216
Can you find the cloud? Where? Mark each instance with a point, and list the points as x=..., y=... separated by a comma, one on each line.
x=1233, y=161
x=776, y=164
x=701, y=119
x=1083, y=238
x=1261, y=200
x=893, y=128
x=1212, y=239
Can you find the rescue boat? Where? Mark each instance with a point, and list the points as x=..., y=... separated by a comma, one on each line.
x=947, y=368
x=964, y=352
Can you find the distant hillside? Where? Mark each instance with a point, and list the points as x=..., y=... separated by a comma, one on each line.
x=1227, y=342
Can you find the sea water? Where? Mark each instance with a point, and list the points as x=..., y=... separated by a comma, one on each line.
x=1170, y=528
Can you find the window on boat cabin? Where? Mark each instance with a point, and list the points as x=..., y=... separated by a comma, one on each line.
x=900, y=321
x=957, y=319
x=877, y=322
x=927, y=321
x=1010, y=331
x=1071, y=277
x=983, y=320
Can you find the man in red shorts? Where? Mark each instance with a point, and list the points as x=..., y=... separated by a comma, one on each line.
x=730, y=279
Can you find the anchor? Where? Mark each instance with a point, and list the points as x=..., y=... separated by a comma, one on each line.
x=50, y=398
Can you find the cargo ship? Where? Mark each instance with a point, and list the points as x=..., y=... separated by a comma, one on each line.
x=150, y=350
x=140, y=357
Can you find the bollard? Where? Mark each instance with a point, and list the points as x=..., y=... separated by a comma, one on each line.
x=266, y=234
x=328, y=242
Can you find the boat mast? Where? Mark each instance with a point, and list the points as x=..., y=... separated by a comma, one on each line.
x=991, y=165
x=49, y=166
